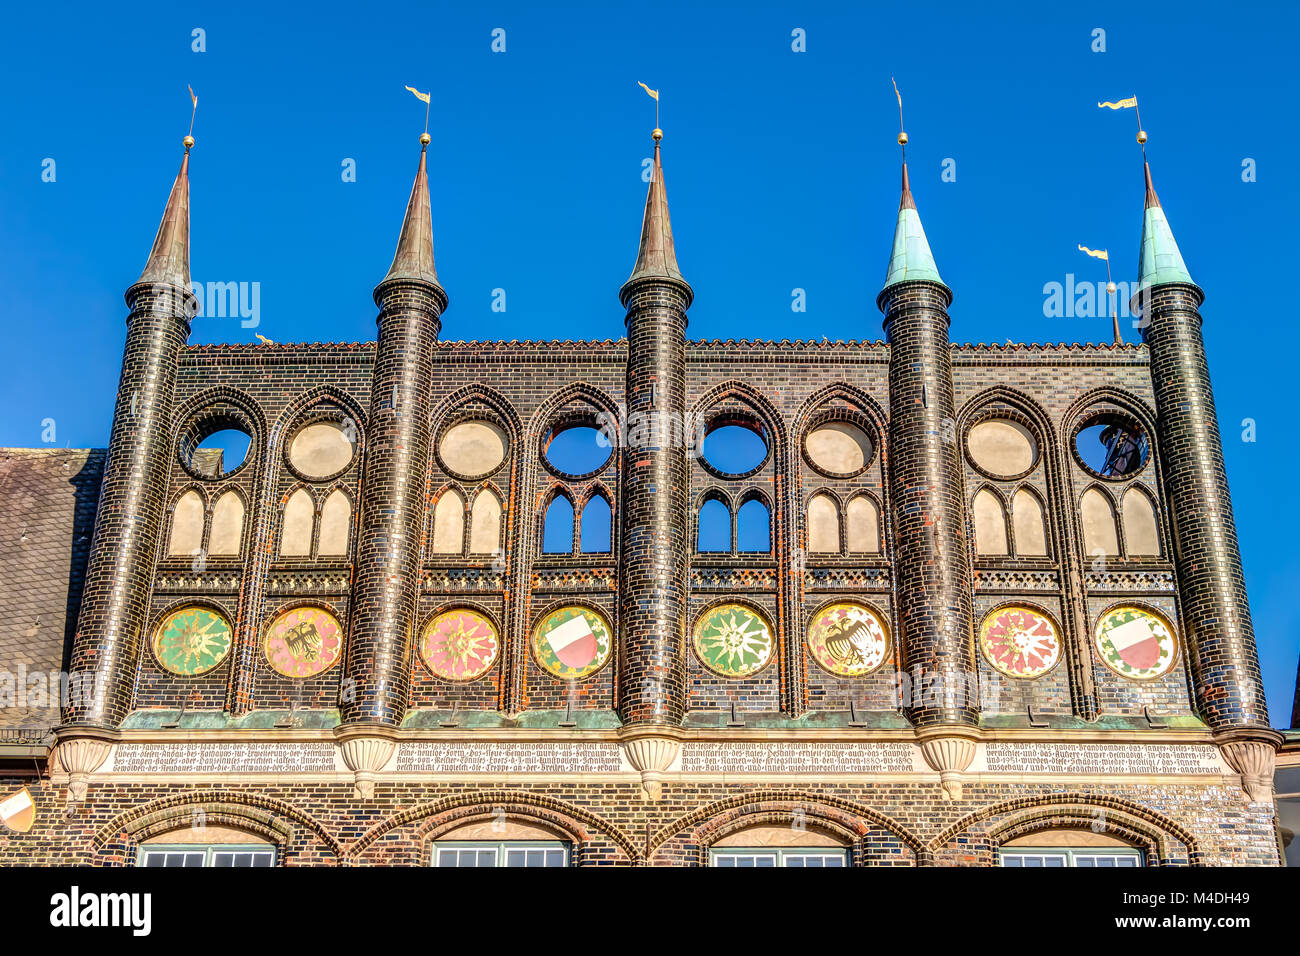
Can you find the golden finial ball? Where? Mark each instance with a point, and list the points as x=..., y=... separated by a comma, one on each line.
x=188, y=141
x=1111, y=287
x=902, y=139
x=425, y=139
x=657, y=135
x=1142, y=136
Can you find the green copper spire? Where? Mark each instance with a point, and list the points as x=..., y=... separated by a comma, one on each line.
x=911, y=259
x=1160, y=261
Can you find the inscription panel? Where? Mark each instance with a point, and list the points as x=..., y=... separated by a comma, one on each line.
x=1149, y=759
x=476, y=758
x=224, y=758
x=799, y=758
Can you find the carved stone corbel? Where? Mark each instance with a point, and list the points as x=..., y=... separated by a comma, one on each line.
x=365, y=750
x=651, y=751
x=949, y=750
x=79, y=754
x=1252, y=752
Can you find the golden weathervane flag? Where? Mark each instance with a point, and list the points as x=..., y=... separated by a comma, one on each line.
x=1128, y=104
x=1096, y=253
x=653, y=93
x=422, y=97
x=193, y=99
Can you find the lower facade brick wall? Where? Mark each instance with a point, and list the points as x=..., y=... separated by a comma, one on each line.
x=612, y=824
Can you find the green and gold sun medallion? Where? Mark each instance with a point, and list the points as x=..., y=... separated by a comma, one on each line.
x=192, y=641
x=1136, y=642
x=573, y=642
x=733, y=640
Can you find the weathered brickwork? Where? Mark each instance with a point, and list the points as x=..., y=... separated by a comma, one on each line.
x=882, y=824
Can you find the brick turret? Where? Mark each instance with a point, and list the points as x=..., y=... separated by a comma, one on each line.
x=655, y=554
x=932, y=563
x=1215, y=612
x=113, y=620
x=411, y=302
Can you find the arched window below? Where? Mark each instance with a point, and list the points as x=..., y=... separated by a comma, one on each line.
x=597, y=526
x=449, y=523
x=1141, y=536
x=227, y=525
x=823, y=525
x=557, y=531
x=1068, y=848
x=485, y=524
x=714, y=530
x=299, y=518
x=1099, y=535
x=1027, y=524
x=187, y=524
x=335, y=523
x=864, y=526
x=990, y=524
x=753, y=527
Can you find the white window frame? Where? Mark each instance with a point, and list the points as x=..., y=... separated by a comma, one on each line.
x=1089, y=857
x=501, y=848
x=208, y=850
x=777, y=856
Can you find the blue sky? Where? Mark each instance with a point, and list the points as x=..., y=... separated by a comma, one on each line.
x=781, y=167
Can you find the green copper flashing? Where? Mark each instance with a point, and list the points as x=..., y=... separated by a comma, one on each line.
x=911, y=259
x=1159, y=261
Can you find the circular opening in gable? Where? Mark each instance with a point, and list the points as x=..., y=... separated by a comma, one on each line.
x=473, y=449
x=577, y=449
x=1112, y=446
x=321, y=450
x=838, y=449
x=216, y=449
x=734, y=447
x=1002, y=448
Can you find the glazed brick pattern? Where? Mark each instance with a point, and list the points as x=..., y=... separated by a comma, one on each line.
x=1216, y=615
x=932, y=570
x=786, y=387
x=392, y=505
x=113, y=612
x=654, y=551
x=882, y=824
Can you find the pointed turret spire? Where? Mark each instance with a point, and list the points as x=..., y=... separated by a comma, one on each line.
x=657, y=258
x=1159, y=261
x=911, y=258
x=169, y=260
x=414, y=257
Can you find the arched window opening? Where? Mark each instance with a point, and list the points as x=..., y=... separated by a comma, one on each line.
x=187, y=524
x=557, y=531
x=990, y=524
x=1141, y=537
x=753, y=527
x=227, y=525
x=823, y=525
x=714, y=532
x=597, y=526
x=1027, y=524
x=335, y=522
x=299, y=517
x=864, y=526
x=449, y=523
x=1099, y=535
x=485, y=524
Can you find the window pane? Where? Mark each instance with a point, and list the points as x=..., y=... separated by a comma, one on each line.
x=555, y=858
x=485, y=858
